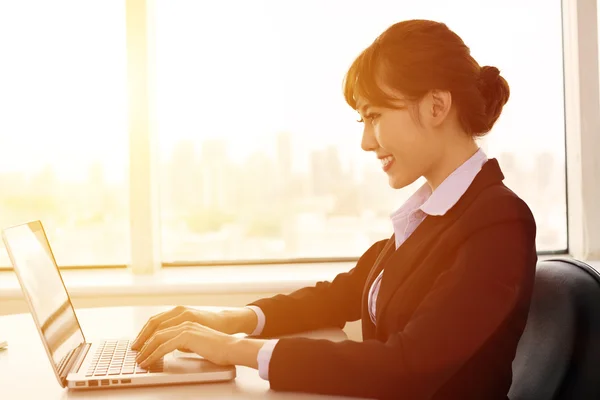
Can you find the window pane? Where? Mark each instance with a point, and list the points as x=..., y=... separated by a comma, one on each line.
x=63, y=126
x=261, y=156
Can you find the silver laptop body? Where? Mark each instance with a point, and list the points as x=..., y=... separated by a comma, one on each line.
x=77, y=363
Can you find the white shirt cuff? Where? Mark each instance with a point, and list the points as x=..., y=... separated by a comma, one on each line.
x=264, y=358
x=261, y=320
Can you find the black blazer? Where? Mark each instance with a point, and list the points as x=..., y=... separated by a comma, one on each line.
x=452, y=306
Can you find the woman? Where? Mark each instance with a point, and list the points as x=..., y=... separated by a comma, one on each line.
x=444, y=301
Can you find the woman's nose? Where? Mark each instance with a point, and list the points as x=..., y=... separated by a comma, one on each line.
x=368, y=143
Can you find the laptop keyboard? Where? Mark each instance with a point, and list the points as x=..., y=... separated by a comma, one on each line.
x=115, y=357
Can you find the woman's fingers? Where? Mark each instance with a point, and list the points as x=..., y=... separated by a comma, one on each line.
x=152, y=325
x=206, y=342
x=156, y=340
x=160, y=338
x=169, y=344
x=176, y=320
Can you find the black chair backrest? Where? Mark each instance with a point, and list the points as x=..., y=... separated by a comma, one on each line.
x=558, y=356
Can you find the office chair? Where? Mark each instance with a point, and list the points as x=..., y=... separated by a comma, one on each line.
x=558, y=356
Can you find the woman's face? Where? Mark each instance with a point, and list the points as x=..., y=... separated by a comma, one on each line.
x=406, y=148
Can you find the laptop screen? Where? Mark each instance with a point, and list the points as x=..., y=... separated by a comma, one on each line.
x=43, y=287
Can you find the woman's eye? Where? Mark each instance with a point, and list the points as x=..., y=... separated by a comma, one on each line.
x=371, y=117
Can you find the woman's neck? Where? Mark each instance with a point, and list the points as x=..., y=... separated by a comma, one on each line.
x=454, y=156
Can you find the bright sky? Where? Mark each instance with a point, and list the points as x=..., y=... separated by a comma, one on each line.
x=245, y=70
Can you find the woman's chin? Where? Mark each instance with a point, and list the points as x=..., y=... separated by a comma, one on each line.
x=397, y=181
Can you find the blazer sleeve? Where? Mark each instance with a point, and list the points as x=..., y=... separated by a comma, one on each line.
x=325, y=305
x=464, y=308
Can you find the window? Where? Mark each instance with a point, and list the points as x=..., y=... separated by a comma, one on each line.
x=261, y=156
x=63, y=126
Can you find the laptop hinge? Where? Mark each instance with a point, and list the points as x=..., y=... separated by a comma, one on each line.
x=73, y=361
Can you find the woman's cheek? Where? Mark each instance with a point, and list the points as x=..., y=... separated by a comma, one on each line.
x=382, y=135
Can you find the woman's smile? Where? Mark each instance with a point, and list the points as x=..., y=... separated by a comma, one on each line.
x=387, y=163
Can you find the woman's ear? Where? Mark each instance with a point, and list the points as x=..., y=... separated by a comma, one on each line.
x=439, y=106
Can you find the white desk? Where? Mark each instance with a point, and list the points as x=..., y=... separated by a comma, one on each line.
x=26, y=373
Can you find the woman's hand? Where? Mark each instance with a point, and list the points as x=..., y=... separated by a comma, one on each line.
x=229, y=321
x=217, y=347
x=187, y=336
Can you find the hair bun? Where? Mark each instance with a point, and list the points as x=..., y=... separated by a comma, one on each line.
x=489, y=75
x=495, y=91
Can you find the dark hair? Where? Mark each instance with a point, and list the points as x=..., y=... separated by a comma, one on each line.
x=417, y=56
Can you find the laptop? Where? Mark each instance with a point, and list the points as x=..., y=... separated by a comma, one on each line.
x=77, y=363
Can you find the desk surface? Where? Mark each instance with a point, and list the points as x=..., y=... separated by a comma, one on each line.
x=26, y=373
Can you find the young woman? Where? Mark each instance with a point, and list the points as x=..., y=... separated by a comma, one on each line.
x=444, y=301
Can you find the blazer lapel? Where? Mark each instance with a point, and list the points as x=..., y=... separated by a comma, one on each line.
x=379, y=261
x=375, y=270
x=403, y=262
